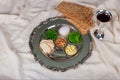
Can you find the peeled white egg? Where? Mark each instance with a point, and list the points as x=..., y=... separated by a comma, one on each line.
x=64, y=31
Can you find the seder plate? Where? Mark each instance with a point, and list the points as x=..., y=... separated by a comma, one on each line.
x=59, y=61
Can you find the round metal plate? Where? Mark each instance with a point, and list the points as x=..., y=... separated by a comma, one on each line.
x=53, y=64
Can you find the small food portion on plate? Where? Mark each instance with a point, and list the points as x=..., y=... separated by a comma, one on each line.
x=71, y=50
x=64, y=30
x=74, y=37
x=60, y=42
x=47, y=46
x=51, y=34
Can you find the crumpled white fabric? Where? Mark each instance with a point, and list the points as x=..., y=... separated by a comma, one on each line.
x=22, y=16
x=6, y=6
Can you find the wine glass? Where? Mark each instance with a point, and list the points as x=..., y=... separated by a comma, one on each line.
x=102, y=16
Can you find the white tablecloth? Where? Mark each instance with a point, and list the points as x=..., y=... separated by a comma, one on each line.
x=19, y=17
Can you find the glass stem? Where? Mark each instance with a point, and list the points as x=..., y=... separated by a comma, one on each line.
x=100, y=26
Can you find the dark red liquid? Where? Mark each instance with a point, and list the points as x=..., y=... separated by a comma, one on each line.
x=103, y=17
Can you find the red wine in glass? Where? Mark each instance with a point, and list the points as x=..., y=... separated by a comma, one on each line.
x=103, y=16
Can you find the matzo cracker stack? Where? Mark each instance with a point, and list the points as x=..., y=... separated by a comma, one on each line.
x=79, y=15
